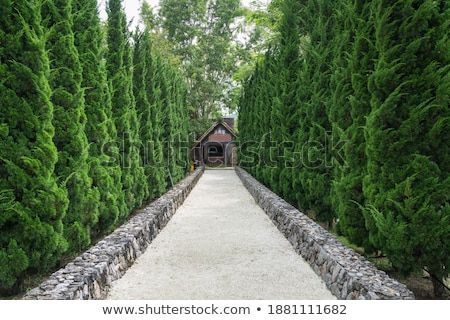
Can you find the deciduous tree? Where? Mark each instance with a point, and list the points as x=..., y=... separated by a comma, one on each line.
x=201, y=32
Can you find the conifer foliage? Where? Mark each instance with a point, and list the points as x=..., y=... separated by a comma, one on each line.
x=314, y=170
x=408, y=182
x=368, y=118
x=100, y=129
x=348, y=111
x=32, y=204
x=89, y=132
x=119, y=70
x=69, y=120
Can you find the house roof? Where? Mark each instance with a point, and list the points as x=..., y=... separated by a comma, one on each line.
x=215, y=125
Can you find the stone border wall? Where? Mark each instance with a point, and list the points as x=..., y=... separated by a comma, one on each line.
x=90, y=275
x=346, y=273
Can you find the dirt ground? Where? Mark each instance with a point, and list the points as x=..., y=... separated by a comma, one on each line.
x=420, y=285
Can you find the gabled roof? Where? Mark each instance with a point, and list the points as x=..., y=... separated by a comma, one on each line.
x=215, y=125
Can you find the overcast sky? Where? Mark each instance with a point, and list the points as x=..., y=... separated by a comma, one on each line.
x=132, y=8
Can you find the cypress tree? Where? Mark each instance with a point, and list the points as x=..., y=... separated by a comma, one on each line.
x=290, y=67
x=246, y=104
x=119, y=70
x=270, y=109
x=168, y=121
x=164, y=114
x=142, y=67
x=157, y=157
x=100, y=129
x=348, y=113
x=70, y=138
x=31, y=202
x=262, y=133
x=181, y=126
x=272, y=139
x=315, y=173
x=140, y=187
x=254, y=117
x=407, y=186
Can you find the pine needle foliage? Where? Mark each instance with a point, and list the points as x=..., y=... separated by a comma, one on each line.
x=100, y=129
x=348, y=112
x=72, y=168
x=93, y=125
x=32, y=203
x=407, y=182
x=119, y=70
x=368, y=117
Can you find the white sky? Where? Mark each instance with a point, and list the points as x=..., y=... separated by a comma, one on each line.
x=132, y=8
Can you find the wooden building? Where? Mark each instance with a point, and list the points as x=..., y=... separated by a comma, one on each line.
x=216, y=147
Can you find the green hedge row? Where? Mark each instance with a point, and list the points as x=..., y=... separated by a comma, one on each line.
x=348, y=118
x=92, y=125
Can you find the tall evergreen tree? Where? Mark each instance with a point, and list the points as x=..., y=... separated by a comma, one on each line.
x=162, y=109
x=169, y=121
x=348, y=112
x=261, y=140
x=100, y=129
x=269, y=112
x=70, y=138
x=395, y=55
x=179, y=134
x=315, y=172
x=408, y=181
x=289, y=67
x=119, y=70
x=153, y=106
x=246, y=104
x=31, y=202
x=272, y=107
x=156, y=156
x=142, y=59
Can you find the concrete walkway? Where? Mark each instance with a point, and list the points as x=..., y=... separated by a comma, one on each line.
x=220, y=245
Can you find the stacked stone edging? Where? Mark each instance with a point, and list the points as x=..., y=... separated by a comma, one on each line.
x=346, y=273
x=89, y=276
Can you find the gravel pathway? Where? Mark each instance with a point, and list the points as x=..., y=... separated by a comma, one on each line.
x=220, y=245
